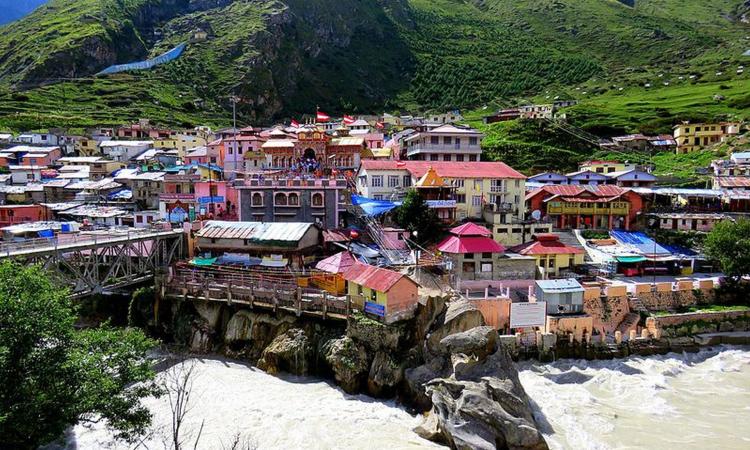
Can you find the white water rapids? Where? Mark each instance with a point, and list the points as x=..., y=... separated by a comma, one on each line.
x=676, y=401
x=692, y=401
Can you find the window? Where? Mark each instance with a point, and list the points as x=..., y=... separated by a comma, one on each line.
x=279, y=199
x=600, y=170
x=446, y=157
x=460, y=198
x=457, y=144
x=469, y=267
x=468, y=255
x=472, y=158
x=496, y=186
x=377, y=181
x=458, y=182
x=407, y=180
x=476, y=200
x=447, y=140
x=293, y=199
x=392, y=181
x=433, y=157
x=486, y=255
x=178, y=189
x=460, y=158
x=486, y=268
x=472, y=141
x=434, y=140
x=317, y=200
x=552, y=262
x=477, y=185
x=610, y=170
x=257, y=199
x=377, y=197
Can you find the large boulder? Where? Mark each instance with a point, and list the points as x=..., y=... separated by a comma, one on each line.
x=460, y=316
x=478, y=341
x=374, y=335
x=385, y=374
x=349, y=363
x=240, y=327
x=290, y=352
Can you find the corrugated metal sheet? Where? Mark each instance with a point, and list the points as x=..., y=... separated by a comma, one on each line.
x=254, y=231
x=372, y=277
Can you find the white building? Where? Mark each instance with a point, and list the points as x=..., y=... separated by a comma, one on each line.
x=124, y=151
x=445, y=143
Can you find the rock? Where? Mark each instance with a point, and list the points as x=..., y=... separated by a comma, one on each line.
x=209, y=312
x=416, y=378
x=478, y=341
x=427, y=314
x=482, y=406
x=373, y=334
x=460, y=316
x=348, y=362
x=200, y=340
x=726, y=326
x=240, y=327
x=289, y=352
x=385, y=374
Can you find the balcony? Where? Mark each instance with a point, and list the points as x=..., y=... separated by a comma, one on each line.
x=604, y=209
x=444, y=149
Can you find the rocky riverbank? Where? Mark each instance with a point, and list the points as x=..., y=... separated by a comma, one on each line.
x=444, y=360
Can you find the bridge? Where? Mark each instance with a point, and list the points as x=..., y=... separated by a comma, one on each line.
x=255, y=292
x=100, y=261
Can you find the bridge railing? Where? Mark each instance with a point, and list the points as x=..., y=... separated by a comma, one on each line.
x=72, y=239
x=251, y=290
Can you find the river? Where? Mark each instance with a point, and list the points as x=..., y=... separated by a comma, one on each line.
x=675, y=401
x=274, y=412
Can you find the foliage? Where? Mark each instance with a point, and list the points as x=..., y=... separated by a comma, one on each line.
x=52, y=376
x=729, y=245
x=594, y=234
x=415, y=215
x=686, y=239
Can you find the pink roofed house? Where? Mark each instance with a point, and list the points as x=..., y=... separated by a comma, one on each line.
x=473, y=251
x=380, y=292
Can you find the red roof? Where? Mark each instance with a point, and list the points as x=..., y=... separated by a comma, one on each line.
x=338, y=263
x=734, y=181
x=450, y=169
x=470, y=229
x=545, y=244
x=470, y=244
x=580, y=193
x=373, y=277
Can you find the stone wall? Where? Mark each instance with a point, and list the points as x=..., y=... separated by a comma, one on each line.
x=607, y=312
x=674, y=299
x=696, y=323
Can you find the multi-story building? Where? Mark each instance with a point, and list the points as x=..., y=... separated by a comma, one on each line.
x=124, y=151
x=695, y=136
x=319, y=200
x=188, y=195
x=490, y=191
x=312, y=149
x=597, y=207
x=445, y=143
x=603, y=166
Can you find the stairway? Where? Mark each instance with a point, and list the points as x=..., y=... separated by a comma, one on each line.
x=636, y=305
x=569, y=238
x=630, y=322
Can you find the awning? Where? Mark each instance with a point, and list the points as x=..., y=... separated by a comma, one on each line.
x=630, y=259
x=203, y=261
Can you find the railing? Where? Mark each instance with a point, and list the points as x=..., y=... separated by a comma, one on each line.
x=70, y=240
x=254, y=292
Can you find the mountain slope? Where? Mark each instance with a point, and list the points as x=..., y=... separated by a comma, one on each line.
x=287, y=57
x=15, y=9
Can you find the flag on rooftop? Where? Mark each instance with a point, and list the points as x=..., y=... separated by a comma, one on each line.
x=379, y=125
x=322, y=117
x=348, y=120
x=294, y=123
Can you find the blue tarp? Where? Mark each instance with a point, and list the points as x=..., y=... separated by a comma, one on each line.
x=374, y=207
x=644, y=244
x=147, y=64
x=124, y=194
x=680, y=250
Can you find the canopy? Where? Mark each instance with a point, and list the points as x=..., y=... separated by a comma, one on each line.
x=374, y=207
x=202, y=261
x=630, y=259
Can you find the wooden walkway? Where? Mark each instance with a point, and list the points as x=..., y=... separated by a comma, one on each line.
x=235, y=289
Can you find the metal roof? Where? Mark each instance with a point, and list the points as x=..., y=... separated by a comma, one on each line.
x=255, y=231
x=564, y=285
x=373, y=277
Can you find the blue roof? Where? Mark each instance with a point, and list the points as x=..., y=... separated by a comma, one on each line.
x=741, y=155
x=644, y=244
x=373, y=207
x=563, y=285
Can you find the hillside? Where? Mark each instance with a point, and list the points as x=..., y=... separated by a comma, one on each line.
x=284, y=58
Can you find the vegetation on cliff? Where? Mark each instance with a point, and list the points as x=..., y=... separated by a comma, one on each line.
x=53, y=376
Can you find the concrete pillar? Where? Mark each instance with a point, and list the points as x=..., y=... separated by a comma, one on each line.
x=539, y=339
x=571, y=338
x=603, y=338
x=618, y=337
x=610, y=221
x=632, y=335
x=518, y=339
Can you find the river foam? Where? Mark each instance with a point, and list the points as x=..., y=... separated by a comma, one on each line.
x=675, y=401
x=276, y=412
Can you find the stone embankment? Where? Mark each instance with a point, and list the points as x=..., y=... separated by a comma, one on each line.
x=444, y=360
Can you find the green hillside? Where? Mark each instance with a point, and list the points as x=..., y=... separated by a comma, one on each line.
x=284, y=58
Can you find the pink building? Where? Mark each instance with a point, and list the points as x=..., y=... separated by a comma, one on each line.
x=197, y=155
x=242, y=154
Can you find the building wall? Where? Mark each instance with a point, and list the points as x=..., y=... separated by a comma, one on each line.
x=553, y=264
x=576, y=325
x=328, y=215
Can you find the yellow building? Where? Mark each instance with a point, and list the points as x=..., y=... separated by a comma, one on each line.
x=552, y=256
x=85, y=146
x=695, y=136
x=180, y=142
x=603, y=166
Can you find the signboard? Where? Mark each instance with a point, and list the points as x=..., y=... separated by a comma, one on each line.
x=204, y=200
x=525, y=315
x=374, y=308
x=179, y=197
x=441, y=203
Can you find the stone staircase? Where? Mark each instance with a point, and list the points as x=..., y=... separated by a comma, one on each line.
x=630, y=322
x=636, y=305
x=569, y=238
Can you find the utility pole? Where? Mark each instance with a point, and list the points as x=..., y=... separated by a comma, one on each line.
x=234, y=99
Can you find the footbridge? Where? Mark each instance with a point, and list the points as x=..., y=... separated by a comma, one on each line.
x=100, y=261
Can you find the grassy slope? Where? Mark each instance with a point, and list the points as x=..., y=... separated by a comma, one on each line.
x=493, y=52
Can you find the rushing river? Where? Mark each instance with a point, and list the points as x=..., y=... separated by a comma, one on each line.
x=274, y=412
x=676, y=401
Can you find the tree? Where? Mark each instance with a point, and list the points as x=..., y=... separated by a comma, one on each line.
x=729, y=245
x=53, y=376
x=415, y=215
